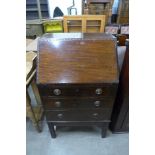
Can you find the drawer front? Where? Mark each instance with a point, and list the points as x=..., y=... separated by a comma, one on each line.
x=83, y=103
x=78, y=91
x=78, y=115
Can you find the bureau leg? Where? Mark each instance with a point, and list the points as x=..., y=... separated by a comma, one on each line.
x=51, y=128
x=103, y=132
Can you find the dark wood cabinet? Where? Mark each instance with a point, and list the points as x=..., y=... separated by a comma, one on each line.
x=77, y=76
x=120, y=114
x=100, y=7
x=123, y=12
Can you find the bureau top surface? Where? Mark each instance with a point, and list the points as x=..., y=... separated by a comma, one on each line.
x=77, y=58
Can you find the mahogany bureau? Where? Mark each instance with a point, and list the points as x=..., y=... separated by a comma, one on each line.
x=77, y=77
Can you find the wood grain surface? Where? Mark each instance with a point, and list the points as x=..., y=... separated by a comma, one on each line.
x=77, y=58
x=78, y=115
x=108, y=90
x=76, y=103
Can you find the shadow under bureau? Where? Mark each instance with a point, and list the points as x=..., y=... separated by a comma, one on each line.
x=77, y=77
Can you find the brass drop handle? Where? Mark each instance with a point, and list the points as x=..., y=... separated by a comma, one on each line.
x=57, y=103
x=60, y=115
x=95, y=115
x=98, y=91
x=97, y=103
x=57, y=91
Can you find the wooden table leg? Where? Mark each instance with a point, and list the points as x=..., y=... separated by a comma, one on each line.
x=36, y=92
x=31, y=112
x=51, y=128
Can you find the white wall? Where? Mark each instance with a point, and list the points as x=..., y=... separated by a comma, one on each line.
x=63, y=5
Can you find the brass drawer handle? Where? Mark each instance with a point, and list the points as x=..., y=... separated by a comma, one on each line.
x=57, y=104
x=95, y=115
x=98, y=91
x=97, y=103
x=60, y=115
x=57, y=91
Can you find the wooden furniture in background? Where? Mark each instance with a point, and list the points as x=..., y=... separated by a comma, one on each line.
x=34, y=113
x=121, y=39
x=124, y=29
x=123, y=12
x=34, y=28
x=112, y=29
x=84, y=23
x=101, y=7
x=124, y=34
x=37, y=9
x=120, y=114
x=77, y=77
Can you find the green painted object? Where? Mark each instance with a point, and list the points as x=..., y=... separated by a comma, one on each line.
x=53, y=26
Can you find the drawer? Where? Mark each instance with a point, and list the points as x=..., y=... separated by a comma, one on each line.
x=105, y=91
x=78, y=115
x=87, y=103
